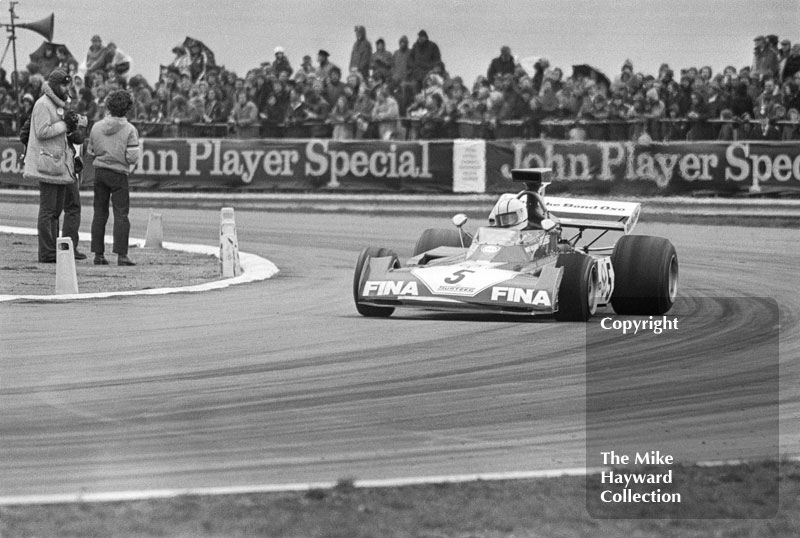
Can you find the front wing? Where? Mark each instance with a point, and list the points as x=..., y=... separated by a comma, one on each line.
x=467, y=285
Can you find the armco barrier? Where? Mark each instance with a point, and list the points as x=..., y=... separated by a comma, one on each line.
x=447, y=166
x=772, y=212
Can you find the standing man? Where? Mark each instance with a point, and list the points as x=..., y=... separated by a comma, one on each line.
x=402, y=87
x=783, y=56
x=502, y=65
x=114, y=143
x=765, y=59
x=400, y=59
x=361, y=55
x=424, y=56
x=48, y=159
x=325, y=65
x=381, y=60
x=99, y=58
x=281, y=63
x=95, y=52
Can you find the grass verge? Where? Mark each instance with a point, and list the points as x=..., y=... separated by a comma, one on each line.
x=550, y=507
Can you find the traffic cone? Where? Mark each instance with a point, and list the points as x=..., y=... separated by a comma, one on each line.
x=228, y=245
x=155, y=231
x=66, y=277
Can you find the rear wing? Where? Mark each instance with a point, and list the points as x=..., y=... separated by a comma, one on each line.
x=594, y=214
x=577, y=212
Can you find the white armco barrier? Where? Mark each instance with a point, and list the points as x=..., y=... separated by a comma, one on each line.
x=66, y=276
x=228, y=245
x=155, y=232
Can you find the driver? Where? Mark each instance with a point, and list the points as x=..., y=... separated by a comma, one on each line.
x=511, y=212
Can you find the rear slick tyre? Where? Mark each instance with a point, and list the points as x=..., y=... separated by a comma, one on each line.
x=645, y=275
x=577, y=294
x=363, y=258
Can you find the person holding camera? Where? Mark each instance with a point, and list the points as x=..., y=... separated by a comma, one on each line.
x=114, y=144
x=49, y=159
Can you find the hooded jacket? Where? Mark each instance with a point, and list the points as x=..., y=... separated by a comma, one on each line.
x=114, y=143
x=47, y=158
x=361, y=55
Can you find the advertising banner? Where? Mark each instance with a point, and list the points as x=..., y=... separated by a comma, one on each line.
x=443, y=165
x=683, y=166
x=294, y=164
x=11, y=151
x=275, y=164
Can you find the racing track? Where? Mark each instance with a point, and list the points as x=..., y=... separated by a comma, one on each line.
x=281, y=381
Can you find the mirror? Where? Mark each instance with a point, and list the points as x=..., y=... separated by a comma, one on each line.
x=460, y=220
x=548, y=224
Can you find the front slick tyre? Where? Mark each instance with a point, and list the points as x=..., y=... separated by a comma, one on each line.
x=437, y=237
x=363, y=258
x=645, y=275
x=577, y=294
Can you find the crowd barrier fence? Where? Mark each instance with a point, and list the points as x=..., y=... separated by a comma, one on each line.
x=412, y=128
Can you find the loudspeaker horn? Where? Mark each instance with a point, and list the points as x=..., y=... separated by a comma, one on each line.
x=42, y=27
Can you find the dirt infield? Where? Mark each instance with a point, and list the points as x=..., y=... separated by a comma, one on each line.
x=21, y=274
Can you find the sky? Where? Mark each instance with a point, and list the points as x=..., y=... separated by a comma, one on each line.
x=244, y=33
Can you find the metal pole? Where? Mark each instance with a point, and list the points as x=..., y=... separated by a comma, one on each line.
x=15, y=75
x=5, y=51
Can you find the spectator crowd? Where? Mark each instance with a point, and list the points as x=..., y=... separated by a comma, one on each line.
x=407, y=93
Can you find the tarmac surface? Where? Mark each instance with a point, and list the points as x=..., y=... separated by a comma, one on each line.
x=281, y=382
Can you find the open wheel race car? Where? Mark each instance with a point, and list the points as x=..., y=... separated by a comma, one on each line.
x=525, y=263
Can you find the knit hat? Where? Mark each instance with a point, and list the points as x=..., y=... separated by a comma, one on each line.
x=58, y=77
x=28, y=97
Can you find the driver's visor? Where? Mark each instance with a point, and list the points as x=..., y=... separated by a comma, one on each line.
x=504, y=220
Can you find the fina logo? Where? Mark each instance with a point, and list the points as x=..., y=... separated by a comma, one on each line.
x=383, y=287
x=519, y=295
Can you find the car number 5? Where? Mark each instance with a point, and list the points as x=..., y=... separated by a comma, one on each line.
x=458, y=276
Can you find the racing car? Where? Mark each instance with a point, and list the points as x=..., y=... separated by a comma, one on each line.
x=538, y=256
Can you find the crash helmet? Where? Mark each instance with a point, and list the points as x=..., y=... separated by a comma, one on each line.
x=510, y=213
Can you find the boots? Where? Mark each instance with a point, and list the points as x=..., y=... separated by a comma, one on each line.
x=99, y=259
